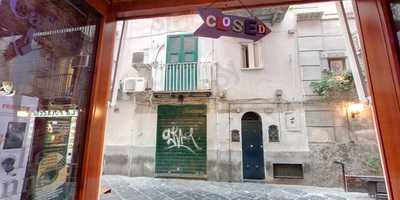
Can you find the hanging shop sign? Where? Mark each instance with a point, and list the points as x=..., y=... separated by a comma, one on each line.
x=217, y=24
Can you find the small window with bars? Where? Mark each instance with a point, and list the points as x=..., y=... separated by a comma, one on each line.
x=273, y=133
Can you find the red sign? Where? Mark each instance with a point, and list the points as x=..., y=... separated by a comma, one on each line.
x=216, y=24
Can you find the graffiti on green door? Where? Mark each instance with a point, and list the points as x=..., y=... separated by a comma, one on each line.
x=181, y=140
x=176, y=138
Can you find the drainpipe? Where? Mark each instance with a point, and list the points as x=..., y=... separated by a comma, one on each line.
x=115, y=83
x=130, y=147
x=355, y=65
x=229, y=142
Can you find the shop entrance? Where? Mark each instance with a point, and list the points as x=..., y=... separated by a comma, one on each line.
x=181, y=141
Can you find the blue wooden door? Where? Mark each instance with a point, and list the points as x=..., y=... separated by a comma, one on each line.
x=252, y=147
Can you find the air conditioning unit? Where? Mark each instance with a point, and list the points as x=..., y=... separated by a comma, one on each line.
x=138, y=57
x=133, y=84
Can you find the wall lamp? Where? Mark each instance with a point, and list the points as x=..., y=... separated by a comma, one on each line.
x=355, y=109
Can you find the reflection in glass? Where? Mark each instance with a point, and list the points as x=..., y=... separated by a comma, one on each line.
x=46, y=65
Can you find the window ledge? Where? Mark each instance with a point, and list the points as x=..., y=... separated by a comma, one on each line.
x=251, y=69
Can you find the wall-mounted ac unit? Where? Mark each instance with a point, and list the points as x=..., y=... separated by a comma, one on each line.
x=133, y=84
x=138, y=57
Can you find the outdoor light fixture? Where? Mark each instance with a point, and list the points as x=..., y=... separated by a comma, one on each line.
x=355, y=109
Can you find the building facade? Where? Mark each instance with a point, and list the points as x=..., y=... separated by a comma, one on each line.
x=229, y=109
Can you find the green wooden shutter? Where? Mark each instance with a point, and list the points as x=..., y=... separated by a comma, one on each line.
x=181, y=67
x=181, y=148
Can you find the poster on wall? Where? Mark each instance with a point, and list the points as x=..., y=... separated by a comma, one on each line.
x=16, y=129
x=57, y=129
x=15, y=135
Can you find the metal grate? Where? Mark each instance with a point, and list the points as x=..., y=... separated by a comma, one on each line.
x=292, y=171
x=192, y=76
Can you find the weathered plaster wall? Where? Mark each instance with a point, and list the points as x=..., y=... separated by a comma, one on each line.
x=279, y=70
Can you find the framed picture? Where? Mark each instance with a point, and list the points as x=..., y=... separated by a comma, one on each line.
x=10, y=189
x=8, y=164
x=15, y=135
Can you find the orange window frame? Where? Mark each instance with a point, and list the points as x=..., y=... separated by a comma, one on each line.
x=380, y=56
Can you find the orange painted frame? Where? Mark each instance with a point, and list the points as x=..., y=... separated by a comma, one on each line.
x=382, y=67
x=382, y=64
x=90, y=174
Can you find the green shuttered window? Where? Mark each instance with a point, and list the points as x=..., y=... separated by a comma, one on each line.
x=181, y=141
x=181, y=67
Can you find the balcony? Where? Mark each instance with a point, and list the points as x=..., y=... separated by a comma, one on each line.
x=192, y=78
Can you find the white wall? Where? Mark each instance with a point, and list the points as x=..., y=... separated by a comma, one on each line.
x=291, y=140
x=278, y=72
x=128, y=126
x=279, y=56
x=290, y=62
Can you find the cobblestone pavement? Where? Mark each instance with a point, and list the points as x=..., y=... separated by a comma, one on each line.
x=140, y=188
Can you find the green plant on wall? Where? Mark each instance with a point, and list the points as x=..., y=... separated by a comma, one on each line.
x=335, y=86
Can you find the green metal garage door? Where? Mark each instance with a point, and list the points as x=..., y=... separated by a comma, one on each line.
x=181, y=141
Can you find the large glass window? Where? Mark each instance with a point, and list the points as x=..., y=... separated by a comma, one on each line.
x=291, y=108
x=395, y=10
x=46, y=66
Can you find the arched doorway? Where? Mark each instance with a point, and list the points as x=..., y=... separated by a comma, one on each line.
x=252, y=146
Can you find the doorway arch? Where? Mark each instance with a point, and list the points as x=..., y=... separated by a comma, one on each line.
x=252, y=146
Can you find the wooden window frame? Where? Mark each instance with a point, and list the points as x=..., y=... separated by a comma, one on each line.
x=251, y=54
x=182, y=51
x=244, y=50
x=380, y=57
